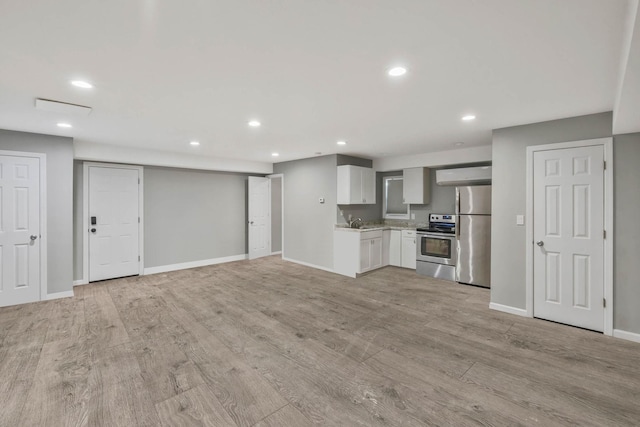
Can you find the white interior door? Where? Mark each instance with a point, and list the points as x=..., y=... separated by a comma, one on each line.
x=19, y=230
x=568, y=228
x=259, y=217
x=113, y=222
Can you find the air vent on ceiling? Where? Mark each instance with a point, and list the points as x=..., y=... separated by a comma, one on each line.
x=62, y=107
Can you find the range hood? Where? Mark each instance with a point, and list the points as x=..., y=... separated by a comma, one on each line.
x=464, y=176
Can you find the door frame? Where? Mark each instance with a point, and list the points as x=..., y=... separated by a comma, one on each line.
x=249, y=215
x=281, y=176
x=43, y=213
x=85, y=214
x=607, y=144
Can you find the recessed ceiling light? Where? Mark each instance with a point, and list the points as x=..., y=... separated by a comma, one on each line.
x=194, y=143
x=64, y=125
x=275, y=154
x=82, y=84
x=341, y=142
x=254, y=123
x=397, y=71
x=458, y=144
x=469, y=117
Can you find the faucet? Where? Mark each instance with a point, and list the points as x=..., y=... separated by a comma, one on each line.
x=356, y=223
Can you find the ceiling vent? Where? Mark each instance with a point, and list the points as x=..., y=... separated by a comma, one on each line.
x=62, y=107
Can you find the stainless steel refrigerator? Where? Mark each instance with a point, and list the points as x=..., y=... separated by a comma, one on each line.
x=473, y=232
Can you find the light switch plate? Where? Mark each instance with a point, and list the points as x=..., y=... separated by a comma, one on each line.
x=519, y=219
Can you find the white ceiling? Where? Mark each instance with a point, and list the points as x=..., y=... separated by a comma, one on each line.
x=312, y=71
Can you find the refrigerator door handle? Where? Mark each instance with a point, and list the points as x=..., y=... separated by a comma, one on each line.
x=457, y=227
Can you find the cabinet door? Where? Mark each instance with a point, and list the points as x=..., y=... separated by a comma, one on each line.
x=409, y=252
x=355, y=186
x=375, y=253
x=344, y=185
x=368, y=186
x=416, y=186
x=395, y=248
x=386, y=238
x=365, y=255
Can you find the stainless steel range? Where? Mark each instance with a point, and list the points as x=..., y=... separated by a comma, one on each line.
x=436, y=247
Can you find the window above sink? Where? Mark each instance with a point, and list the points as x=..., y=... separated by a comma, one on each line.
x=392, y=198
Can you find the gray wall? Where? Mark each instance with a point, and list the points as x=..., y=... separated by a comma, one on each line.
x=59, y=152
x=192, y=215
x=343, y=159
x=308, y=225
x=443, y=200
x=508, y=245
x=626, y=169
x=276, y=214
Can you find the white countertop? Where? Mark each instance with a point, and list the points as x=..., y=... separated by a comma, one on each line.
x=344, y=227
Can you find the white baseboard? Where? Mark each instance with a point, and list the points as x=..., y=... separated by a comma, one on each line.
x=80, y=282
x=508, y=309
x=58, y=295
x=193, y=264
x=308, y=264
x=629, y=336
x=276, y=253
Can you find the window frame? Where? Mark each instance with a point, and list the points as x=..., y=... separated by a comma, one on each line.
x=385, y=189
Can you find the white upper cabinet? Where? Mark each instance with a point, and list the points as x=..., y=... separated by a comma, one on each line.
x=416, y=189
x=356, y=185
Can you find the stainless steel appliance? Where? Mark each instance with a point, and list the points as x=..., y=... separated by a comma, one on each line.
x=436, y=247
x=473, y=231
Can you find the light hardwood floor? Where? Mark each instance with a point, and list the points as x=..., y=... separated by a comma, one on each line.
x=271, y=343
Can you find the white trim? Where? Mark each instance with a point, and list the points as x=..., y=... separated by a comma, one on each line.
x=625, y=335
x=281, y=176
x=193, y=264
x=58, y=295
x=508, y=309
x=80, y=282
x=98, y=152
x=306, y=264
x=85, y=214
x=608, y=242
x=42, y=159
x=607, y=144
x=276, y=253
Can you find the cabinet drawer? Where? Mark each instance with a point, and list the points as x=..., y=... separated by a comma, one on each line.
x=370, y=234
x=408, y=233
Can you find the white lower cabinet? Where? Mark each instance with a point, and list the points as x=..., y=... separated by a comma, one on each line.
x=395, y=248
x=409, y=249
x=370, y=250
x=357, y=252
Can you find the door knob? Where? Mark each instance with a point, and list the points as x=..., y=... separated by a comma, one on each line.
x=93, y=230
x=251, y=222
x=540, y=243
x=33, y=237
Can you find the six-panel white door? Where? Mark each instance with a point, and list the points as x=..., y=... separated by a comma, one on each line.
x=113, y=225
x=19, y=230
x=568, y=263
x=259, y=217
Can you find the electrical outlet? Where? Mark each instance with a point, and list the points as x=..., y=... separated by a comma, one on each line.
x=321, y=199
